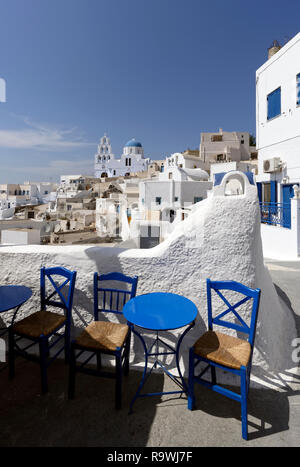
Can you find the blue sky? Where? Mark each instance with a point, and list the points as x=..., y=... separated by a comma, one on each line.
x=161, y=71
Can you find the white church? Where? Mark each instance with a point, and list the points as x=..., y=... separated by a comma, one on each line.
x=131, y=161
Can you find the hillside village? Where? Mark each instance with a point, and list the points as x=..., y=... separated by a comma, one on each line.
x=132, y=199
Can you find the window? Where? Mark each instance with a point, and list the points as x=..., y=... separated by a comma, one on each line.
x=158, y=200
x=215, y=138
x=129, y=161
x=197, y=199
x=176, y=199
x=298, y=88
x=170, y=175
x=274, y=103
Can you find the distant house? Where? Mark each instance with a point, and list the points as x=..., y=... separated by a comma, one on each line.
x=225, y=146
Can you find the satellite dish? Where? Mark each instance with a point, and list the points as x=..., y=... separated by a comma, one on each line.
x=57, y=228
x=47, y=228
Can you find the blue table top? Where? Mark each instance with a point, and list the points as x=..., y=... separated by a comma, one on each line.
x=12, y=296
x=160, y=311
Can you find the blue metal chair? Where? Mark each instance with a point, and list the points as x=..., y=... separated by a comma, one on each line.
x=224, y=351
x=105, y=337
x=41, y=326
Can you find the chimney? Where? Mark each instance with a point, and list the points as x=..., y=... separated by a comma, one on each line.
x=273, y=49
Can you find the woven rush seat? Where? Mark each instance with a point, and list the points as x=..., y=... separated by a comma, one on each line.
x=103, y=335
x=223, y=349
x=41, y=322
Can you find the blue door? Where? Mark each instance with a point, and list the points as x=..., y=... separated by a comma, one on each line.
x=287, y=194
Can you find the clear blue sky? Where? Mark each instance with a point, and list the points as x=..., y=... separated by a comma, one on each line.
x=161, y=71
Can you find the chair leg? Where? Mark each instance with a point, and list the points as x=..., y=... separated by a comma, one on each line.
x=72, y=373
x=11, y=353
x=244, y=408
x=127, y=355
x=43, y=344
x=118, y=400
x=191, y=396
x=67, y=344
x=99, y=361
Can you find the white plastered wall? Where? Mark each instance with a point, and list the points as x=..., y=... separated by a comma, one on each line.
x=219, y=240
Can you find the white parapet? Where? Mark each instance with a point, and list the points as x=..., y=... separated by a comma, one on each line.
x=220, y=240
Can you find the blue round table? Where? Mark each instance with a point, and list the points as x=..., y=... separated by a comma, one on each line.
x=157, y=312
x=12, y=297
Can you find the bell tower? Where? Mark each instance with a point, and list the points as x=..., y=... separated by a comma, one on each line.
x=103, y=157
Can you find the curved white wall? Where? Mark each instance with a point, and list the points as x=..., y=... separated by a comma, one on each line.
x=219, y=240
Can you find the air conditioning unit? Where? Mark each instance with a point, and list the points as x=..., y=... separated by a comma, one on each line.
x=272, y=165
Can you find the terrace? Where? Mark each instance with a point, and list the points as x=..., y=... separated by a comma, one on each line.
x=202, y=246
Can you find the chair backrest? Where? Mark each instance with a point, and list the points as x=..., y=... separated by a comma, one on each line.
x=240, y=325
x=59, y=296
x=108, y=299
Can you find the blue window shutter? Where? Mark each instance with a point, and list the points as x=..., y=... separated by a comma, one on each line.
x=298, y=89
x=274, y=103
x=273, y=192
x=259, y=191
x=273, y=197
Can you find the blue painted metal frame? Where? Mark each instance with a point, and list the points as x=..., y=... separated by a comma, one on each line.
x=63, y=303
x=243, y=372
x=121, y=354
x=173, y=351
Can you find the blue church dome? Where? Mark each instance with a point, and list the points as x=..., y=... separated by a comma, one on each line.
x=133, y=143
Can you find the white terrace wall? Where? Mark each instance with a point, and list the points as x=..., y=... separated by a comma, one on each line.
x=282, y=243
x=220, y=240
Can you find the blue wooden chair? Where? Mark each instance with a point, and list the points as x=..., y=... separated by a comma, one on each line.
x=224, y=351
x=43, y=325
x=105, y=337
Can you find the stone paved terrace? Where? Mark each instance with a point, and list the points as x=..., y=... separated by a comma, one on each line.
x=29, y=419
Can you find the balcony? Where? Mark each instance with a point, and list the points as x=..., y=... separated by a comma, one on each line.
x=276, y=214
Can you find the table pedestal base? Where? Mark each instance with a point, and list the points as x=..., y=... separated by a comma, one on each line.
x=153, y=351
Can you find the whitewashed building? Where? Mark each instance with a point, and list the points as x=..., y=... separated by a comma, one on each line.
x=73, y=185
x=225, y=146
x=165, y=201
x=27, y=193
x=132, y=160
x=186, y=160
x=6, y=210
x=278, y=144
